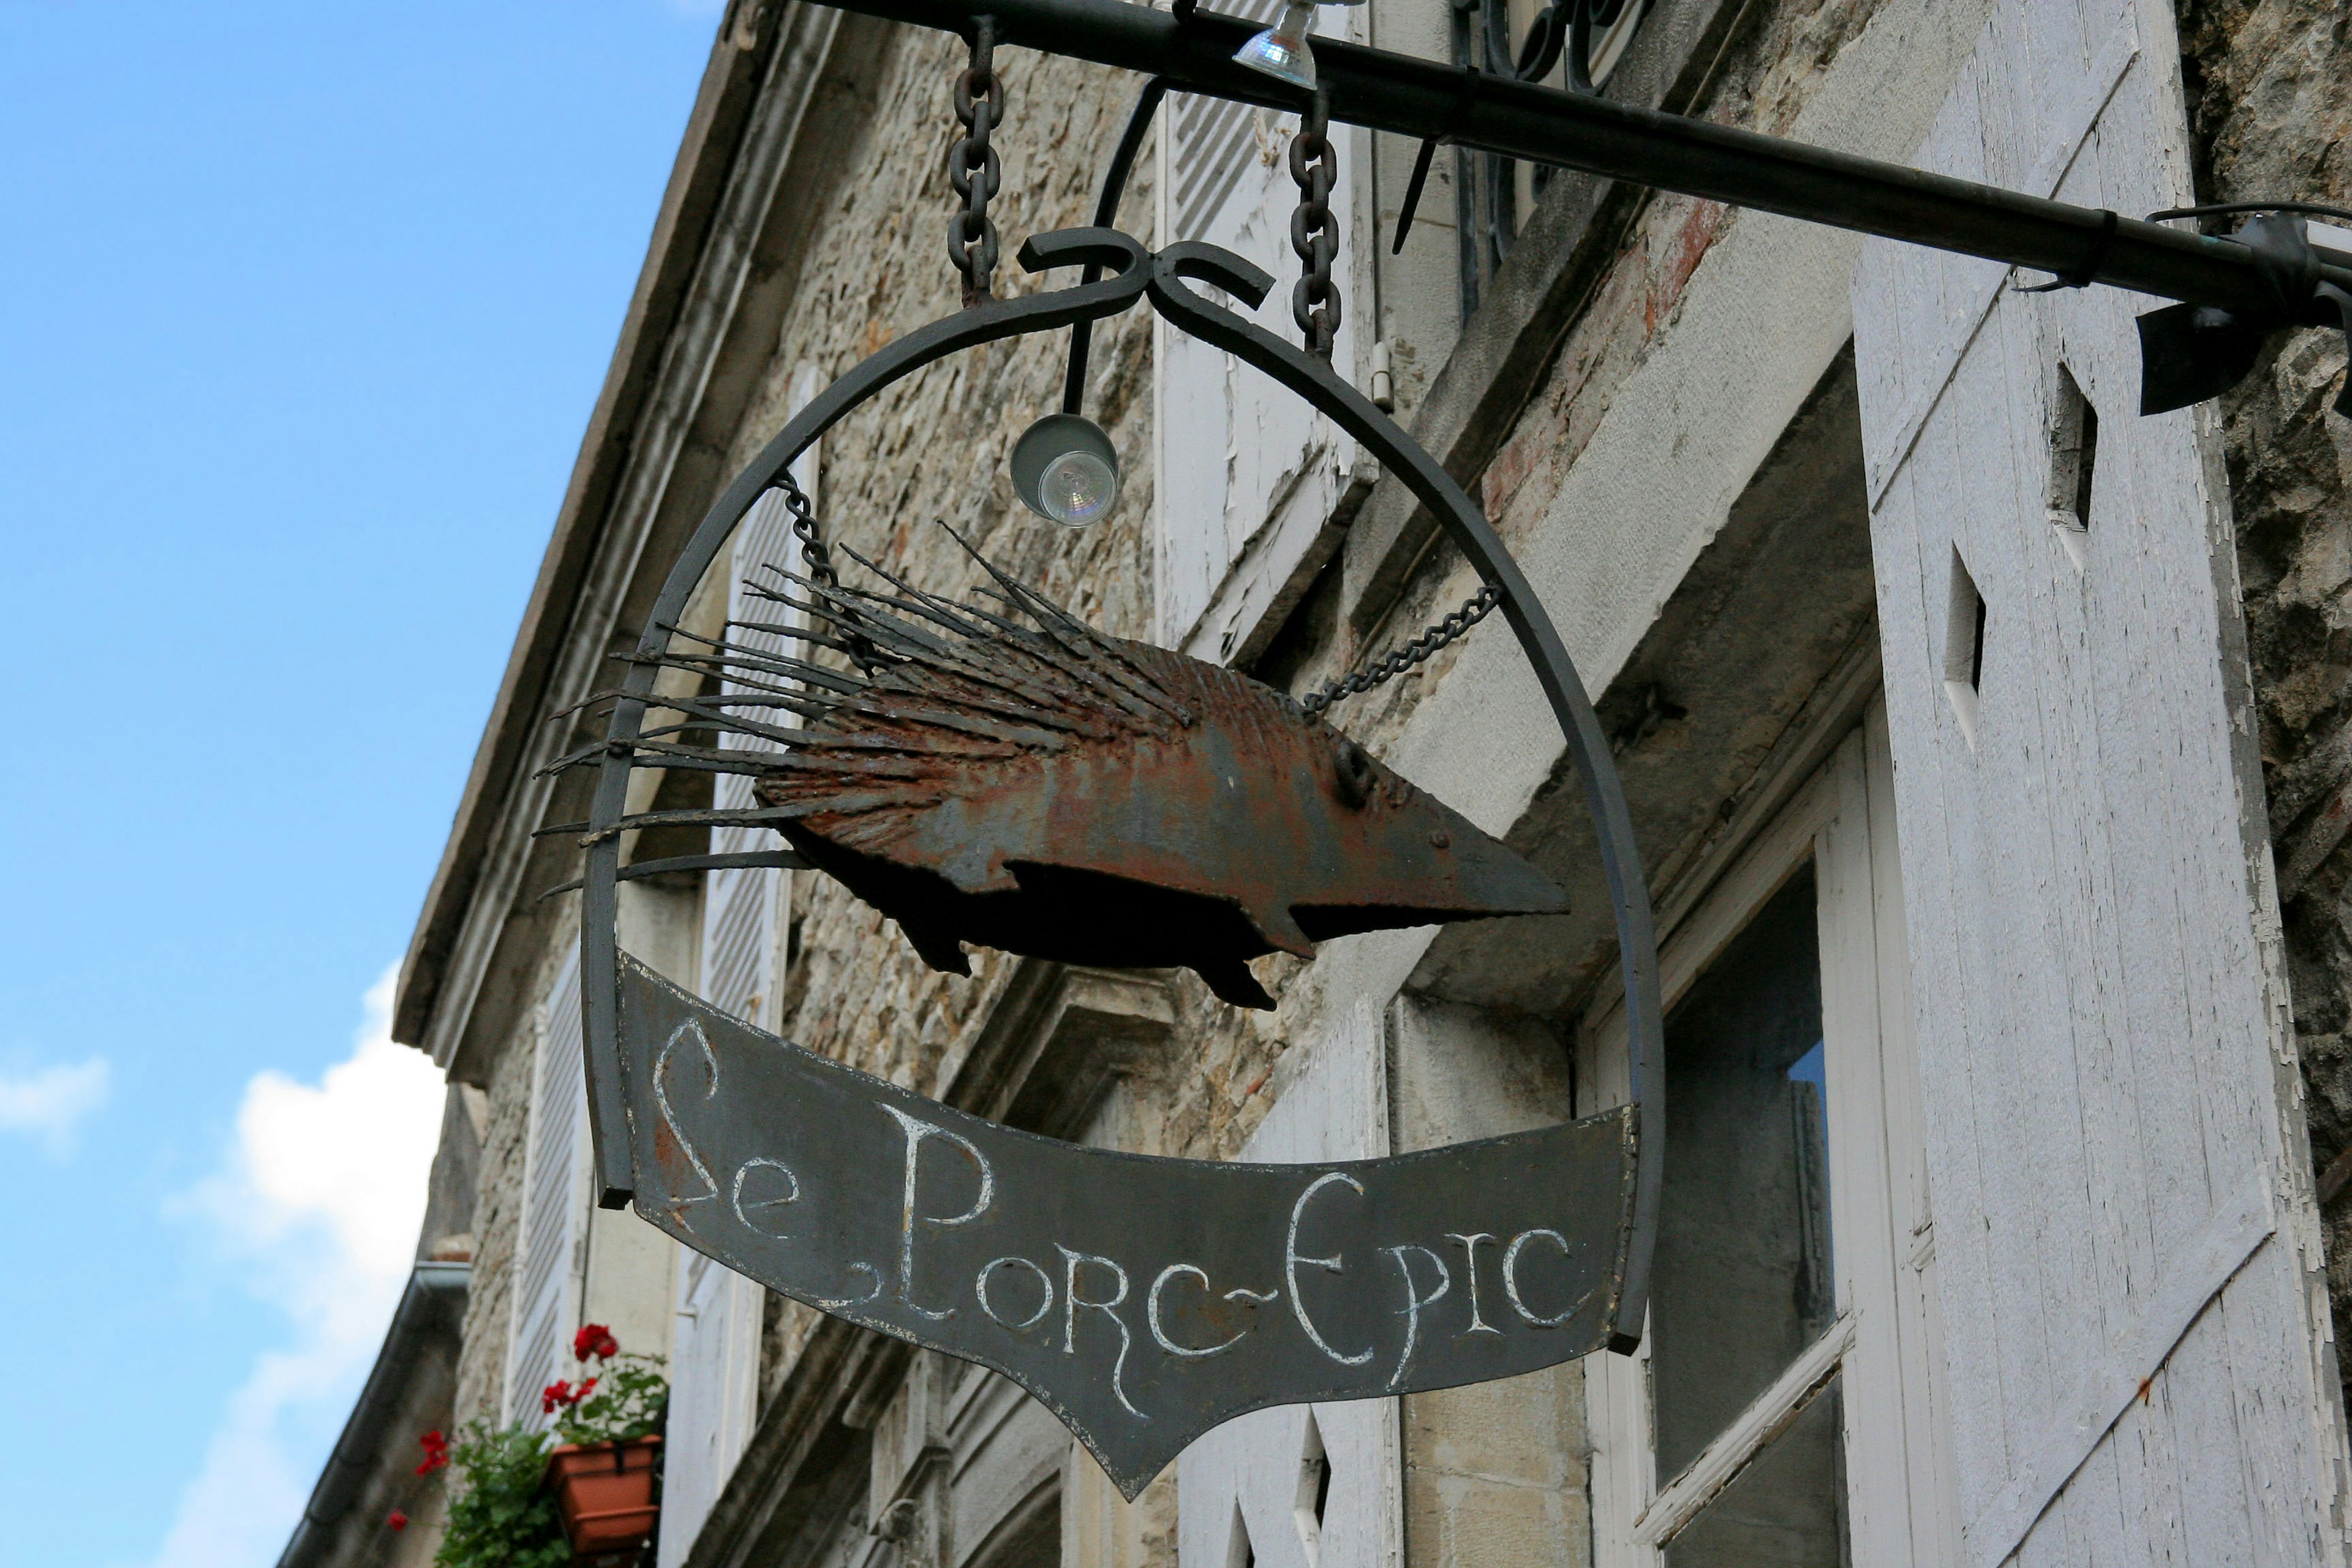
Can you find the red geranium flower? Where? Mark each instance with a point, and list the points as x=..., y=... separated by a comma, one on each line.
x=397, y=1519
x=554, y=1394
x=594, y=1339
x=583, y=1390
x=436, y=1452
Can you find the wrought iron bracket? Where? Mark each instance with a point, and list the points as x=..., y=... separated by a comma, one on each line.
x=1190, y=50
x=2191, y=352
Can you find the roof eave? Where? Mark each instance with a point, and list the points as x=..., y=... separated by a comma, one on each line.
x=730, y=83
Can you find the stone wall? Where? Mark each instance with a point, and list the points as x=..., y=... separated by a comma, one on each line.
x=497, y=1222
x=2270, y=88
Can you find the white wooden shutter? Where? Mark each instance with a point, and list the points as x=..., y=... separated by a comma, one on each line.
x=1248, y=1492
x=2137, y=1331
x=715, y=1343
x=554, y=1205
x=739, y=914
x=1248, y=475
x=714, y=1386
x=1896, y=1411
x=740, y=923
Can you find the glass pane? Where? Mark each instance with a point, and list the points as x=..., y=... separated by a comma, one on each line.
x=1785, y=1511
x=1743, y=1281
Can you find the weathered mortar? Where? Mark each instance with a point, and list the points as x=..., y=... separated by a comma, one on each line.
x=2269, y=86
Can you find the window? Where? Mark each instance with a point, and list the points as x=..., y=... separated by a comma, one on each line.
x=1492, y=195
x=1964, y=648
x=1743, y=1280
x=1786, y=1404
x=2074, y=464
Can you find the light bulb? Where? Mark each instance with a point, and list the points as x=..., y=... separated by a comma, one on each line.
x=1281, y=51
x=1077, y=487
x=1066, y=470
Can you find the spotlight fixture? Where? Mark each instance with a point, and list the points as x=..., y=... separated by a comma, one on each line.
x=1281, y=51
x=1066, y=470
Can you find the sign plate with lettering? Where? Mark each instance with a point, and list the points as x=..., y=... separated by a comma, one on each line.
x=1142, y=1300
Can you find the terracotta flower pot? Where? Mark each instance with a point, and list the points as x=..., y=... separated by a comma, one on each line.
x=606, y=1491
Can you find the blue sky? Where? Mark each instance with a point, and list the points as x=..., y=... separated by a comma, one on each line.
x=302, y=312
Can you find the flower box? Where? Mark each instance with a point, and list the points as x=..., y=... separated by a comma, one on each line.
x=605, y=1492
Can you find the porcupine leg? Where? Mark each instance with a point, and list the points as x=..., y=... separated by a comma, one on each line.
x=1232, y=981
x=937, y=947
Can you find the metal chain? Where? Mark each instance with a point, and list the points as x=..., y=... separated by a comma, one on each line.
x=973, y=170
x=1314, y=233
x=1398, y=660
x=818, y=559
x=1315, y=306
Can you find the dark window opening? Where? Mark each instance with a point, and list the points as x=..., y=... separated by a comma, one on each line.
x=1306, y=634
x=1239, y=1552
x=1314, y=1490
x=1976, y=648
x=1743, y=1277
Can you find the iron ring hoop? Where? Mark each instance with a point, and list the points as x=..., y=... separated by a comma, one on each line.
x=1166, y=278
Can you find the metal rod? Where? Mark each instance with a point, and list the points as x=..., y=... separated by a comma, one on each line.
x=1122, y=161
x=1421, y=99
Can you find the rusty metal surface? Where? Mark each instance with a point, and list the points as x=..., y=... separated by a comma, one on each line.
x=1054, y=792
x=1143, y=1300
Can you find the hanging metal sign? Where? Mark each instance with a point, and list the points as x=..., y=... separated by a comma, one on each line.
x=1004, y=774
x=1142, y=1300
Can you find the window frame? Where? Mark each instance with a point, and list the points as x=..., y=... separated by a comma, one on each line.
x=1884, y=1343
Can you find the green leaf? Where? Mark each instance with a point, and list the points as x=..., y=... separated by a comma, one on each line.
x=499, y=1516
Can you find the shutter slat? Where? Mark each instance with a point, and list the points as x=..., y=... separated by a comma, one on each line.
x=715, y=1345
x=553, y=1202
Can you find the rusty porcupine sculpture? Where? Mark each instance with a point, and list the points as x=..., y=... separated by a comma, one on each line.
x=1053, y=791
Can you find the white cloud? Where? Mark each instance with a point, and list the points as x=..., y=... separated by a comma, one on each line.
x=320, y=1201
x=49, y=1102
